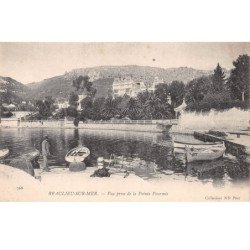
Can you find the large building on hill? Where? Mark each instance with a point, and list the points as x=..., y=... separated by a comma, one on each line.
x=128, y=86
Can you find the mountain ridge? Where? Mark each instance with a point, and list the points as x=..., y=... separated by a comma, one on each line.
x=8, y=83
x=60, y=86
x=103, y=77
x=11, y=90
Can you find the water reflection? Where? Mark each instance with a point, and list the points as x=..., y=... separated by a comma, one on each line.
x=148, y=155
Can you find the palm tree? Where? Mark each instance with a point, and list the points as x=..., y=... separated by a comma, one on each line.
x=110, y=109
x=151, y=106
x=154, y=108
x=133, y=109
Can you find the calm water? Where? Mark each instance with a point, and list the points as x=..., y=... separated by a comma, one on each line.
x=150, y=155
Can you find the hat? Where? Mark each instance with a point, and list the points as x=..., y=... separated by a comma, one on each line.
x=45, y=137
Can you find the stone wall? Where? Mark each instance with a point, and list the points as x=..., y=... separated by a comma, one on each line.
x=144, y=126
x=9, y=123
x=124, y=127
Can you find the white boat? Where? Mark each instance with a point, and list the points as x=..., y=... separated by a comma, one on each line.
x=4, y=152
x=77, y=154
x=182, y=145
x=204, y=154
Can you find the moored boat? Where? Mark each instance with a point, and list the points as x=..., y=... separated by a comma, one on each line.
x=204, y=154
x=182, y=145
x=77, y=154
x=4, y=152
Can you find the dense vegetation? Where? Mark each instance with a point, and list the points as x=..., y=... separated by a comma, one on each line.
x=217, y=92
x=145, y=106
x=201, y=94
x=45, y=108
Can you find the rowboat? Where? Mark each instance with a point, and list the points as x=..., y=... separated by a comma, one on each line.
x=204, y=154
x=182, y=145
x=77, y=154
x=4, y=152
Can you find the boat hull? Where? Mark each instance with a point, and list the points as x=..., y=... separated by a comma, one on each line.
x=182, y=145
x=77, y=154
x=204, y=154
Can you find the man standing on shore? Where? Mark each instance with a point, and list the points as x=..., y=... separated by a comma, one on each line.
x=45, y=152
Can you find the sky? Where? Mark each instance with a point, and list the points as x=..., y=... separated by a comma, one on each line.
x=32, y=62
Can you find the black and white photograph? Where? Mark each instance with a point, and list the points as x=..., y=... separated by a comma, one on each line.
x=124, y=121
x=124, y=124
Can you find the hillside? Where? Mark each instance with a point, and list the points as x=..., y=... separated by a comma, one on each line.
x=12, y=90
x=103, y=77
x=7, y=83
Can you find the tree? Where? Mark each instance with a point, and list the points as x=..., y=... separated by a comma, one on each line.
x=239, y=79
x=144, y=96
x=77, y=82
x=133, y=109
x=197, y=88
x=49, y=103
x=97, y=108
x=71, y=111
x=144, y=99
x=177, y=92
x=73, y=99
x=122, y=104
x=42, y=110
x=7, y=114
x=83, y=83
x=200, y=96
x=218, y=79
x=110, y=108
x=217, y=101
x=162, y=92
x=45, y=107
x=87, y=106
x=9, y=97
x=157, y=109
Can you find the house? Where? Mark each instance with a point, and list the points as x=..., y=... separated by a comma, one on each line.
x=10, y=107
x=128, y=86
x=80, y=98
x=122, y=86
x=180, y=109
x=21, y=114
x=63, y=104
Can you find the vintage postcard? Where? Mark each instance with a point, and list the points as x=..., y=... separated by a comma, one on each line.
x=124, y=122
